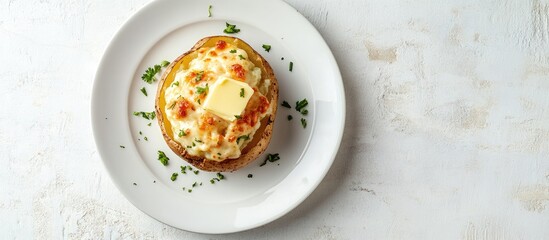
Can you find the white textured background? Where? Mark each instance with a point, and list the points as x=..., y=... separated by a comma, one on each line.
x=447, y=132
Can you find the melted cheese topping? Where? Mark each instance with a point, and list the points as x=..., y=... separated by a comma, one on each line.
x=202, y=133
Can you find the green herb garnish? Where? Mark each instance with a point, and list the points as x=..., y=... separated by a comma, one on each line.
x=210, y=11
x=290, y=117
x=301, y=104
x=150, y=73
x=267, y=47
x=250, y=175
x=242, y=92
x=163, y=158
x=182, y=133
x=164, y=63
x=174, y=176
x=271, y=158
x=190, y=190
x=135, y=184
x=199, y=76
x=146, y=139
x=291, y=66
x=176, y=83
x=286, y=104
x=198, y=141
x=230, y=28
x=238, y=116
x=220, y=176
x=243, y=137
x=121, y=146
x=149, y=124
x=144, y=91
x=183, y=169
x=140, y=133
x=241, y=57
x=233, y=51
x=194, y=184
x=303, y=122
x=146, y=115
x=201, y=90
x=304, y=111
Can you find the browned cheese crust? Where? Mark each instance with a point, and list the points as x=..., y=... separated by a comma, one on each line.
x=262, y=136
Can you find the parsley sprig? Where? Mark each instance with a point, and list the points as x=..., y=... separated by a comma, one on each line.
x=267, y=47
x=146, y=115
x=230, y=28
x=150, y=74
x=270, y=158
x=163, y=158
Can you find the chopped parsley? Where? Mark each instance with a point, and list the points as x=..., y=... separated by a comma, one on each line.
x=144, y=91
x=174, y=176
x=150, y=74
x=190, y=168
x=233, y=51
x=196, y=172
x=140, y=133
x=220, y=176
x=188, y=146
x=163, y=158
x=267, y=47
x=304, y=111
x=230, y=28
x=121, y=146
x=241, y=92
x=301, y=104
x=176, y=83
x=198, y=141
x=210, y=11
x=286, y=104
x=146, y=115
x=183, y=169
x=199, y=76
x=238, y=116
x=290, y=117
x=250, y=175
x=182, y=133
x=135, y=184
x=201, y=90
x=241, y=57
x=194, y=184
x=146, y=139
x=190, y=190
x=149, y=124
x=271, y=158
x=243, y=137
x=291, y=66
x=303, y=122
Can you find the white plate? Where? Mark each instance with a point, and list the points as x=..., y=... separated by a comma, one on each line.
x=164, y=29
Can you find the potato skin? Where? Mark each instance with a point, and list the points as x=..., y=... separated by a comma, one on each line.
x=262, y=137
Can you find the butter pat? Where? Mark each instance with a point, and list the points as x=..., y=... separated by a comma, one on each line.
x=228, y=97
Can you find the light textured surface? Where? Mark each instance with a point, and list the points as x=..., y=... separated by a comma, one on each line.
x=447, y=132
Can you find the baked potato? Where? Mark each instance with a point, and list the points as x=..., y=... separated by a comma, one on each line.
x=204, y=138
